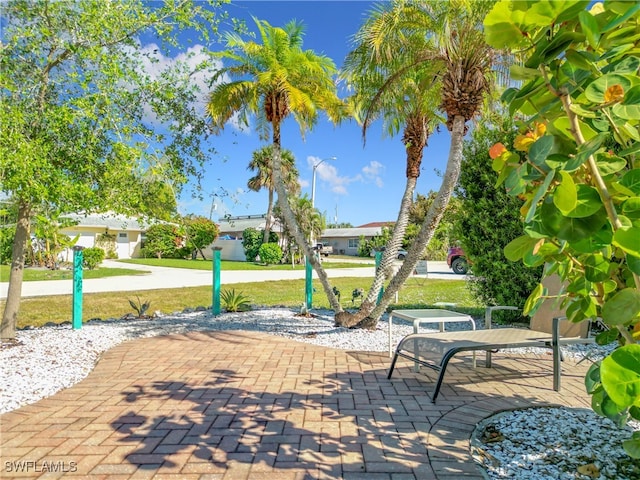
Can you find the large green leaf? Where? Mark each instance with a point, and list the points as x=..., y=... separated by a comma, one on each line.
x=565, y=195
x=610, y=164
x=505, y=24
x=596, y=90
x=518, y=247
x=540, y=149
x=568, y=228
x=533, y=302
x=628, y=239
x=588, y=202
x=595, y=242
x=632, y=445
x=596, y=268
x=631, y=180
x=629, y=108
x=631, y=208
x=633, y=7
x=633, y=263
x=620, y=375
x=541, y=192
x=590, y=28
x=623, y=307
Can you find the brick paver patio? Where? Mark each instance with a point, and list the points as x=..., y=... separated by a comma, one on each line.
x=240, y=405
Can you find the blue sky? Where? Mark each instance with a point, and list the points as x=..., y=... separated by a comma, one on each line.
x=364, y=183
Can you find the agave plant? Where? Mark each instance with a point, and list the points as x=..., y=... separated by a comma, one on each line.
x=234, y=302
x=140, y=307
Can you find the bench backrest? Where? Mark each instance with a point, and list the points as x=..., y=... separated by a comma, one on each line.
x=545, y=314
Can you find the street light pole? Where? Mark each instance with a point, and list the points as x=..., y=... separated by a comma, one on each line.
x=313, y=179
x=308, y=269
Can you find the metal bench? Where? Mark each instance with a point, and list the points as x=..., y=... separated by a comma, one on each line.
x=435, y=350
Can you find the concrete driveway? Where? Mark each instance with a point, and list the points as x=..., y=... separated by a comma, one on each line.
x=163, y=277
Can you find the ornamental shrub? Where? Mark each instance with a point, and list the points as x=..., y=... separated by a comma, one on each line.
x=251, y=241
x=163, y=240
x=489, y=218
x=270, y=253
x=92, y=257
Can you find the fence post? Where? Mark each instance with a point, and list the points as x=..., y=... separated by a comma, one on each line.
x=215, y=305
x=308, y=285
x=76, y=314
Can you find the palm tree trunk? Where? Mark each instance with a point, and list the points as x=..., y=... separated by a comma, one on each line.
x=267, y=221
x=10, y=316
x=434, y=215
x=368, y=305
x=290, y=220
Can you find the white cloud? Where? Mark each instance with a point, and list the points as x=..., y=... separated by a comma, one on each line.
x=327, y=172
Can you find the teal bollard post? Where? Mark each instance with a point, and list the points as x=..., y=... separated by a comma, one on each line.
x=308, y=285
x=378, y=261
x=76, y=314
x=215, y=305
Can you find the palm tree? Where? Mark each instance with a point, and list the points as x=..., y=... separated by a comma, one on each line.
x=446, y=38
x=310, y=220
x=273, y=79
x=408, y=103
x=262, y=164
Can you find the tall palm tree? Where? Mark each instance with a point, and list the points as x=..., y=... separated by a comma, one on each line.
x=446, y=39
x=273, y=79
x=262, y=164
x=408, y=103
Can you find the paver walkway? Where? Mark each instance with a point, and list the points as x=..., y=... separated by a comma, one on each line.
x=240, y=405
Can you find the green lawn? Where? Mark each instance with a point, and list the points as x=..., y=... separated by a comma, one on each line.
x=200, y=264
x=289, y=293
x=33, y=274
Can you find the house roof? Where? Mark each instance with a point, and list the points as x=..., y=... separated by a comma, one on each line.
x=109, y=220
x=242, y=222
x=376, y=224
x=355, y=232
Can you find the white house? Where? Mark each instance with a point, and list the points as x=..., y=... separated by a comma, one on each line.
x=125, y=233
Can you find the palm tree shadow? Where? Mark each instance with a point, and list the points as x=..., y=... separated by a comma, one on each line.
x=223, y=422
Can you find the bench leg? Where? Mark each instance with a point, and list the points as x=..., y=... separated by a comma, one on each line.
x=393, y=365
x=443, y=369
x=557, y=354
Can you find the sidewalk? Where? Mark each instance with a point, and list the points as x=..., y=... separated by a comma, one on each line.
x=239, y=405
x=162, y=277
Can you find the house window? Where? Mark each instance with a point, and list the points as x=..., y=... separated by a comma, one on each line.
x=354, y=242
x=122, y=235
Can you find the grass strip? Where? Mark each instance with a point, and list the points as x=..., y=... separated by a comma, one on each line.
x=37, y=311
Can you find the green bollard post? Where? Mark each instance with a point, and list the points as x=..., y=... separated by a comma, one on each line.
x=76, y=314
x=308, y=285
x=215, y=305
x=378, y=261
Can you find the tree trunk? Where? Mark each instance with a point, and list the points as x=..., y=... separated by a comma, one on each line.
x=267, y=221
x=11, y=308
x=434, y=215
x=415, y=139
x=349, y=320
x=292, y=224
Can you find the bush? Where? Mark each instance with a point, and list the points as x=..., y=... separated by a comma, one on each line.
x=92, y=257
x=201, y=232
x=489, y=219
x=6, y=244
x=163, y=241
x=270, y=253
x=251, y=241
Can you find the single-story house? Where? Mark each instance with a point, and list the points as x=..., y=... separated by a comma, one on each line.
x=345, y=241
x=123, y=235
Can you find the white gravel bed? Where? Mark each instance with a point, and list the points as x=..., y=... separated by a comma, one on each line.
x=49, y=359
x=554, y=443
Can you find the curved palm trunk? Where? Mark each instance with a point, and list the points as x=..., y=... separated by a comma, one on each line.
x=267, y=221
x=386, y=265
x=434, y=215
x=10, y=316
x=415, y=139
x=292, y=224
